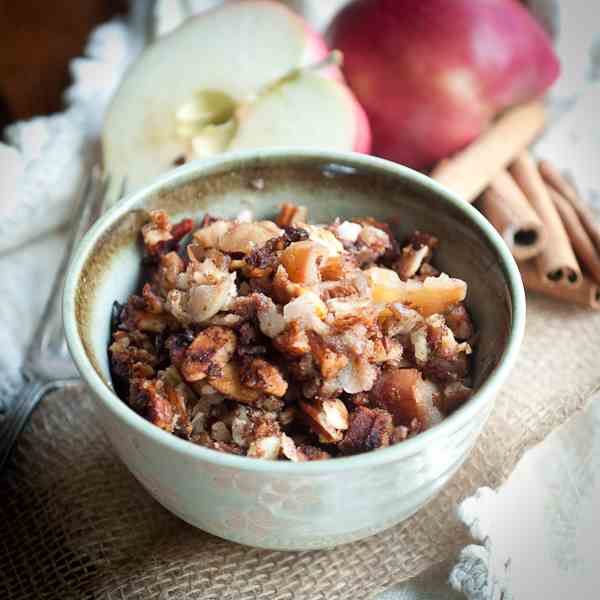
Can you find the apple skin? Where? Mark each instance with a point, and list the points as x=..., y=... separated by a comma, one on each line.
x=431, y=74
x=266, y=43
x=316, y=50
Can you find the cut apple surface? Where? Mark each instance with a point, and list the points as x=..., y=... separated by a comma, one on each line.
x=235, y=77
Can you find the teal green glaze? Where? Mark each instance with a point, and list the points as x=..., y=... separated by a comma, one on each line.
x=236, y=497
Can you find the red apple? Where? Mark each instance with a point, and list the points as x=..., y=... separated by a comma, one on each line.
x=431, y=74
x=240, y=76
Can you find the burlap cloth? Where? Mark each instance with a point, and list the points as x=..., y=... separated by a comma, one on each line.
x=75, y=524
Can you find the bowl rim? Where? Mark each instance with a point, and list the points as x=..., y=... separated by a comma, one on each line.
x=190, y=171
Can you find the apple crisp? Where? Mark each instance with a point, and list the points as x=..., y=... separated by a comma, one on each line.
x=288, y=340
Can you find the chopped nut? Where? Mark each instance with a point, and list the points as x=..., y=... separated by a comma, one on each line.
x=369, y=429
x=301, y=453
x=329, y=361
x=229, y=384
x=266, y=448
x=399, y=434
x=169, y=268
x=219, y=432
x=158, y=408
x=210, y=351
x=411, y=260
x=157, y=232
x=327, y=418
x=270, y=320
x=290, y=214
x=293, y=340
x=258, y=374
x=459, y=321
x=418, y=339
x=154, y=303
x=454, y=395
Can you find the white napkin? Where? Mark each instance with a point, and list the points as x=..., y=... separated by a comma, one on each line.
x=40, y=167
x=539, y=531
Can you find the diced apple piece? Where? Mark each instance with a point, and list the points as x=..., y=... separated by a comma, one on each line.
x=300, y=261
x=407, y=396
x=434, y=295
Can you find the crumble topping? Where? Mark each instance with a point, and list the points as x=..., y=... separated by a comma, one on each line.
x=288, y=340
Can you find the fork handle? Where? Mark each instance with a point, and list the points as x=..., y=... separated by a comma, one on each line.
x=19, y=411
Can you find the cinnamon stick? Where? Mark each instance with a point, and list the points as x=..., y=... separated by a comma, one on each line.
x=582, y=244
x=508, y=210
x=585, y=294
x=554, y=178
x=557, y=262
x=470, y=171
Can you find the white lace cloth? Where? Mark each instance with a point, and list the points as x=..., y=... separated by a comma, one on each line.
x=40, y=168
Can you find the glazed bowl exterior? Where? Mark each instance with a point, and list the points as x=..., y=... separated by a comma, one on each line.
x=276, y=504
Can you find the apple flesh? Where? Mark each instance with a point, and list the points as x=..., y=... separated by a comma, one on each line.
x=235, y=77
x=431, y=74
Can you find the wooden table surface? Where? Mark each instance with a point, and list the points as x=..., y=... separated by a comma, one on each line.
x=38, y=39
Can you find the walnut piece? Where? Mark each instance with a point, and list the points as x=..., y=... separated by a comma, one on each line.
x=327, y=418
x=210, y=351
x=230, y=385
x=368, y=429
x=258, y=374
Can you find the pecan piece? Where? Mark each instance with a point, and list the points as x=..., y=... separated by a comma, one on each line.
x=411, y=260
x=176, y=346
x=459, y=321
x=169, y=267
x=159, y=410
x=157, y=233
x=258, y=374
x=293, y=340
x=369, y=428
x=230, y=385
x=301, y=453
x=210, y=351
x=454, y=395
x=290, y=214
x=327, y=418
x=330, y=362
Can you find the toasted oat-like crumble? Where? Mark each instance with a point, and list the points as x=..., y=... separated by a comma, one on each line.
x=288, y=340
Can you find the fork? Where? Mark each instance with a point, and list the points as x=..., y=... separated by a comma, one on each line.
x=47, y=365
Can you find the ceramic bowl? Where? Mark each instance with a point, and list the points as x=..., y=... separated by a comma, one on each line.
x=284, y=505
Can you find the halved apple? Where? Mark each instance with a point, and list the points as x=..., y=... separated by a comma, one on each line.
x=235, y=77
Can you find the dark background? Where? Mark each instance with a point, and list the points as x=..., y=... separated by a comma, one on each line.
x=38, y=39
